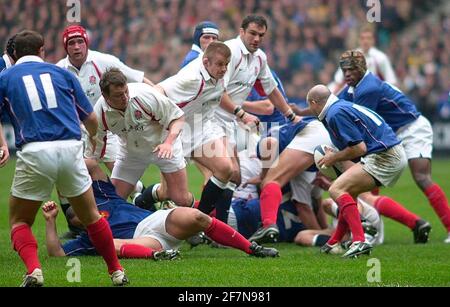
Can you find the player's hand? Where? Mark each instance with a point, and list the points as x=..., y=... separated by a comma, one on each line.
x=4, y=155
x=164, y=151
x=322, y=181
x=251, y=120
x=253, y=181
x=297, y=119
x=329, y=158
x=50, y=210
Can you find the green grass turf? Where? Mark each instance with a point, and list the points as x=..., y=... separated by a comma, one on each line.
x=402, y=262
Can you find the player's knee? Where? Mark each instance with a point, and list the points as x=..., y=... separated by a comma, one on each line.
x=200, y=219
x=335, y=191
x=224, y=170
x=183, y=200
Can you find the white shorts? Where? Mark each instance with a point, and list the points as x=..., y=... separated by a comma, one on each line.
x=154, y=226
x=193, y=140
x=130, y=167
x=417, y=138
x=386, y=166
x=228, y=128
x=301, y=187
x=313, y=135
x=112, y=145
x=41, y=165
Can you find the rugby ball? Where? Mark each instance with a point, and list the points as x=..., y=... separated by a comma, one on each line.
x=331, y=172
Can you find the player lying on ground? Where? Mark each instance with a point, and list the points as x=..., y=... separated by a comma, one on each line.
x=141, y=233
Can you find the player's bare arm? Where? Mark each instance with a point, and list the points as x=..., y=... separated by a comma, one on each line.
x=301, y=112
x=260, y=107
x=227, y=104
x=164, y=150
x=50, y=212
x=280, y=103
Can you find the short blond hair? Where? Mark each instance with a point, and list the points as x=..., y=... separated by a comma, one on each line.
x=217, y=47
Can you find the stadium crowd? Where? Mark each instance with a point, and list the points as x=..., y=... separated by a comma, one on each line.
x=306, y=37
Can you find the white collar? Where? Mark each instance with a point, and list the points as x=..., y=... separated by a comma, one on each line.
x=242, y=46
x=204, y=72
x=7, y=60
x=331, y=99
x=29, y=58
x=88, y=59
x=351, y=89
x=196, y=48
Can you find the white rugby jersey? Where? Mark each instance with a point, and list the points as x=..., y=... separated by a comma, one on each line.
x=142, y=126
x=244, y=71
x=91, y=71
x=377, y=62
x=194, y=91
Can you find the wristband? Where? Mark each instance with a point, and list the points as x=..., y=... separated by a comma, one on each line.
x=237, y=110
x=291, y=117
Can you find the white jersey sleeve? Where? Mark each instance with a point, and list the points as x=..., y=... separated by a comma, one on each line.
x=265, y=76
x=109, y=61
x=386, y=69
x=162, y=107
x=181, y=87
x=100, y=146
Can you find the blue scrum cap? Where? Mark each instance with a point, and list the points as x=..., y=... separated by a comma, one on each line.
x=205, y=27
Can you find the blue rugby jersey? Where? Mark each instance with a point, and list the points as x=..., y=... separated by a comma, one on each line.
x=122, y=217
x=44, y=102
x=385, y=99
x=349, y=124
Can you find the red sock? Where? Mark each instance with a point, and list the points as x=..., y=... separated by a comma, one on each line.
x=101, y=237
x=339, y=233
x=135, y=251
x=226, y=235
x=26, y=246
x=269, y=202
x=349, y=210
x=388, y=207
x=439, y=202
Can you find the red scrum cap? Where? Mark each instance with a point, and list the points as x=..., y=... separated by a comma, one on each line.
x=74, y=31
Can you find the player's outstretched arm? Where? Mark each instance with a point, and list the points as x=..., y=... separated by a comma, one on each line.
x=50, y=212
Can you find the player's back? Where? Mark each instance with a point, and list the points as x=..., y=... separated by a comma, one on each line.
x=385, y=99
x=44, y=102
x=350, y=122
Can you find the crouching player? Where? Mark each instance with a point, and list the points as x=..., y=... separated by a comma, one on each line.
x=357, y=132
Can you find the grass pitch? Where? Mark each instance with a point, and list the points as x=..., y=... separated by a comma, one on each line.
x=401, y=263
